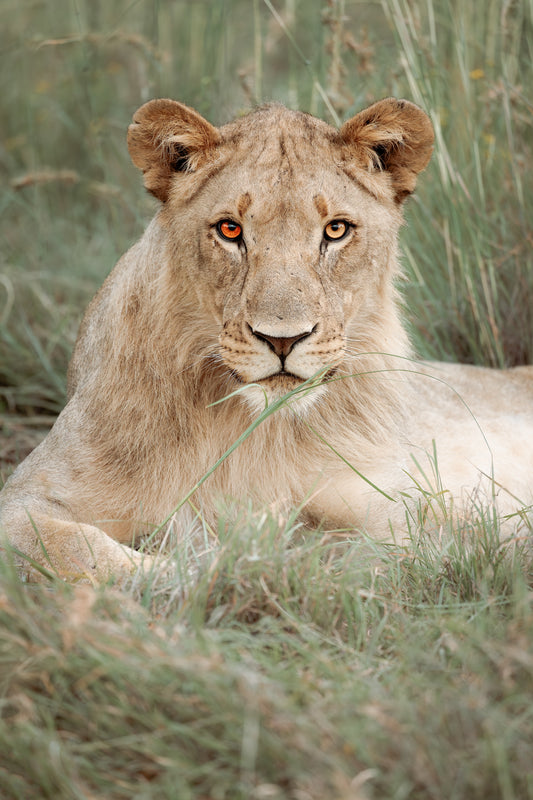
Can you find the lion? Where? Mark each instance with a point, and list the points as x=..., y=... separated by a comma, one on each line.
x=260, y=307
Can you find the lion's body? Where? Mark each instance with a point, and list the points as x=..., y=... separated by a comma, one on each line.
x=189, y=315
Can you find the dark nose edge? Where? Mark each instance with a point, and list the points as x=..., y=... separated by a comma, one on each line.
x=282, y=345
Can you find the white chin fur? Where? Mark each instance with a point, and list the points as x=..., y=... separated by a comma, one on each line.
x=257, y=396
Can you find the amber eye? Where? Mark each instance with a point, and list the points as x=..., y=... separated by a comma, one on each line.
x=229, y=230
x=335, y=230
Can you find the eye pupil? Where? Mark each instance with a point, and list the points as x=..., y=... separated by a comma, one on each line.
x=229, y=229
x=336, y=229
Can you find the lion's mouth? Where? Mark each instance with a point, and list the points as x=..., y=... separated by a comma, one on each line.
x=275, y=377
x=286, y=378
x=300, y=392
x=283, y=374
x=331, y=371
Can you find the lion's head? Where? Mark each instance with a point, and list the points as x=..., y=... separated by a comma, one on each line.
x=288, y=229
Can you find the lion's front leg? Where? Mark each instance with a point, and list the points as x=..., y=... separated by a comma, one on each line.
x=42, y=545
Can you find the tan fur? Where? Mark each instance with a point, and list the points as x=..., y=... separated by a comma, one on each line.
x=187, y=317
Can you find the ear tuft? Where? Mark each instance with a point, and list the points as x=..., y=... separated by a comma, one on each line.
x=178, y=158
x=394, y=136
x=167, y=137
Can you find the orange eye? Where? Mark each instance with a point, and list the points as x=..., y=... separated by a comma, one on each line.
x=229, y=230
x=336, y=229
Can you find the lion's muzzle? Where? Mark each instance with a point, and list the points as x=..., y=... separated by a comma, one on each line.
x=258, y=354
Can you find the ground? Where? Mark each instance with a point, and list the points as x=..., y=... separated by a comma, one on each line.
x=19, y=435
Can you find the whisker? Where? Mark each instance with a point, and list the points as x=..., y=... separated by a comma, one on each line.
x=213, y=356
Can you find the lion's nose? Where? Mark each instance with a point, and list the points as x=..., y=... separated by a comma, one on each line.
x=282, y=345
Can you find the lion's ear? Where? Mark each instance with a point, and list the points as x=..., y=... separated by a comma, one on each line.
x=394, y=136
x=168, y=137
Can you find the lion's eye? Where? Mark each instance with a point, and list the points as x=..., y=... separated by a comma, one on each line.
x=335, y=230
x=229, y=230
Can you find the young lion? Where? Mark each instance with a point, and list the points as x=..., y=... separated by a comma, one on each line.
x=268, y=269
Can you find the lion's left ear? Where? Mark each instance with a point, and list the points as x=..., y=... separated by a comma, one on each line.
x=394, y=136
x=167, y=137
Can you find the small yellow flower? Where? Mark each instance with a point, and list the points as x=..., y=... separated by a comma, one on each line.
x=42, y=86
x=476, y=74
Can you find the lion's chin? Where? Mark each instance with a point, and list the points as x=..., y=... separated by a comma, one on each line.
x=261, y=394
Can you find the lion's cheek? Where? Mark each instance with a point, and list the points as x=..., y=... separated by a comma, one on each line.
x=220, y=285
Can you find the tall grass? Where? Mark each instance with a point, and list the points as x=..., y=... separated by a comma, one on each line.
x=469, y=249
x=296, y=665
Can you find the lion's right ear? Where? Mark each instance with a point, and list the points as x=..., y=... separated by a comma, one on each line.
x=168, y=137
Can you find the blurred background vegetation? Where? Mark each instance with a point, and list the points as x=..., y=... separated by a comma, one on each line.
x=74, y=71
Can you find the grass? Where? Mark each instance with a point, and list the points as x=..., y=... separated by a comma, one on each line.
x=297, y=665
x=470, y=251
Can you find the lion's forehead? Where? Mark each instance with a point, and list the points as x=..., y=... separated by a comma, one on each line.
x=278, y=180
x=281, y=145
x=275, y=123
x=287, y=150
x=279, y=168
x=281, y=192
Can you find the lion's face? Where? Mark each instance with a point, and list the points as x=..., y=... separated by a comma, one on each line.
x=289, y=253
x=287, y=229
